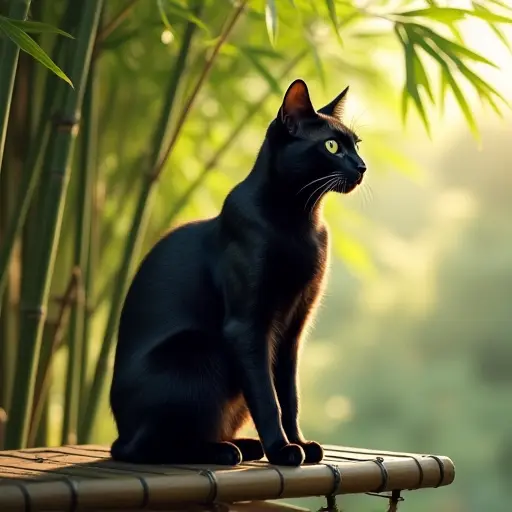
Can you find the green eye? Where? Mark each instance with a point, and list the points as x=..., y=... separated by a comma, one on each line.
x=331, y=146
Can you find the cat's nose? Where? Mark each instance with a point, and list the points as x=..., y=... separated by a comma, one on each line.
x=361, y=167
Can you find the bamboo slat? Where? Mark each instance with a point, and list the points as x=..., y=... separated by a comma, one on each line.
x=86, y=478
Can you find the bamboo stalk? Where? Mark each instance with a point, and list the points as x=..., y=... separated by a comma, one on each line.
x=3, y=423
x=33, y=167
x=92, y=246
x=10, y=53
x=136, y=231
x=41, y=438
x=115, y=21
x=7, y=340
x=82, y=236
x=68, y=299
x=33, y=191
x=13, y=163
x=33, y=313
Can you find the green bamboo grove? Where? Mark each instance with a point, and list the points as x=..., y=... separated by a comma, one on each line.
x=119, y=119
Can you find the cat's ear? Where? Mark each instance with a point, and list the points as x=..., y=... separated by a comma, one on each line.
x=336, y=106
x=296, y=105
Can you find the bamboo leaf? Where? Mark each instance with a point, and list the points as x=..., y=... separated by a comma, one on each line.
x=113, y=42
x=410, y=81
x=317, y=61
x=452, y=14
x=476, y=81
x=9, y=54
x=163, y=16
x=501, y=4
x=271, y=20
x=333, y=16
x=443, y=85
x=482, y=87
x=449, y=80
x=262, y=70
x=456, y=33
x=405, y=104
x=493, y=27
x=448, y=46
x=421, y=75
x=186, y=14
x=501, y=36
x=36, y=27
x=488, y=99
x=443, y=14
x=259, y=51
x=487, y=15
x=461, y=100
x=28, y=45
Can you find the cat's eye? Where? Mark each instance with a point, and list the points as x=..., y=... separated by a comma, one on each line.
x=331, y=146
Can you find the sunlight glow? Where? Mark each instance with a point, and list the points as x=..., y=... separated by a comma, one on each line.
x=167, y=37
x=339, y=407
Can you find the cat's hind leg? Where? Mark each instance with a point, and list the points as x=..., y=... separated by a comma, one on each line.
x=147, y=451
x=174, y=411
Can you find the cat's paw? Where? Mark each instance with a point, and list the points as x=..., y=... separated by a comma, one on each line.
x=251, y=448
x=227, y=454
x=288, y=455
x=314, y=452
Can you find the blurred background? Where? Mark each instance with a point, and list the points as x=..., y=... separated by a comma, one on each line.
x=412, y=346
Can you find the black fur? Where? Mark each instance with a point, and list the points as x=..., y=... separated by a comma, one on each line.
x=211, y=326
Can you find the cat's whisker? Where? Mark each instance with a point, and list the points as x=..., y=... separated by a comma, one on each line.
x=370, y=191
x=366, y=194
x=366, y=198
x=314, y=181
x=327, y=187
x=313, y=193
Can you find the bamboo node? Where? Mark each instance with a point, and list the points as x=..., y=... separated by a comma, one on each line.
x=33, y=311
x=64, y=123
x=213, y=484
x=331, y=498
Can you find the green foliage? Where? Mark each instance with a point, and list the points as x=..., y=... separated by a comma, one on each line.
x=18, y=30
x=32, y=321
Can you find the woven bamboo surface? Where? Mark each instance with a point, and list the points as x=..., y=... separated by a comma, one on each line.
x=84, y=477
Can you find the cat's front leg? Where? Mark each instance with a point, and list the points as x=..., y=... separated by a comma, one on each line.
x=286, y=382
x=247, y=342
x=286, y=378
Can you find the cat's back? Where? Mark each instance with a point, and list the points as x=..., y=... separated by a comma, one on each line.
x=173, y=288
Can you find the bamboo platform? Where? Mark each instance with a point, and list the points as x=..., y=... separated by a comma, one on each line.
x=85, y=478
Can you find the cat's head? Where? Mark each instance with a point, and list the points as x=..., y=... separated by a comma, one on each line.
x=315, y=152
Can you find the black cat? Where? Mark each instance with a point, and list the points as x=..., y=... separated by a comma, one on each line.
x=211, y=326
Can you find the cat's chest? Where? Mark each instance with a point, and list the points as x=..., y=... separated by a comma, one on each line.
x=296, y=261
